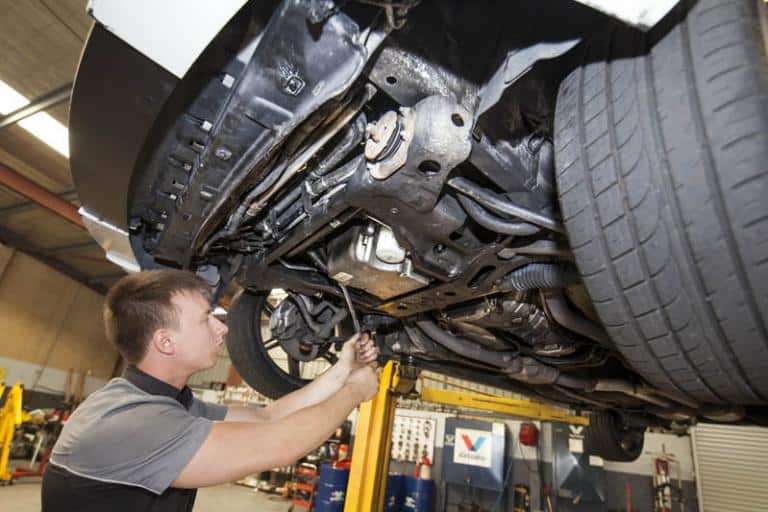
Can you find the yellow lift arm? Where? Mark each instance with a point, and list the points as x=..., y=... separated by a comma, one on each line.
x=373, y=436
x=504, y=406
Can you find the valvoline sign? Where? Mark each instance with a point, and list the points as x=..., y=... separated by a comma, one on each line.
x=473, y=447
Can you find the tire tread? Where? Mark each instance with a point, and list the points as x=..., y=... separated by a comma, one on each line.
x=661, y=201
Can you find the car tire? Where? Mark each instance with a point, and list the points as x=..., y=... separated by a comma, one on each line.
x=247, y=352
x=661, y=151
x=610, y=438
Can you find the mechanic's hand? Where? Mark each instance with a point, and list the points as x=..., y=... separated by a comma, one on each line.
x=359, y=351
x=364, y=381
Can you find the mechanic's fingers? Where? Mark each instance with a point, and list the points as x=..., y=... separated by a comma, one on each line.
x=365, y=345
x=355, y=337
x=366, y=359
x=368, y=356
x=368, y=346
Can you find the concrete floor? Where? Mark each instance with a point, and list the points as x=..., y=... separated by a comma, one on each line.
x=24, y=496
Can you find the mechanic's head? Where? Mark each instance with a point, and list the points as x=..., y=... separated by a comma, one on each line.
x=163, y=316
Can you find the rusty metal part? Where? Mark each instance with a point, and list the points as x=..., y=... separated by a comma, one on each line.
x=431, y=139
x=380, y=135
x=388, y=141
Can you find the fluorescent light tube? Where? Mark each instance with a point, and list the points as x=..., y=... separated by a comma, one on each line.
x=41, y=125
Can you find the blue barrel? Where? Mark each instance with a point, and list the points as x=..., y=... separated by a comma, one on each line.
x=419, y=495
x=393, y=499
x=331, y=489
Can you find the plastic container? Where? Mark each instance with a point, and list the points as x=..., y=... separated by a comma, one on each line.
x=331, y=489
x=419, y=495
x=393, y=498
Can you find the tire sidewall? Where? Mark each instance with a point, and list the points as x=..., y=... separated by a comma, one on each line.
x=246, y=348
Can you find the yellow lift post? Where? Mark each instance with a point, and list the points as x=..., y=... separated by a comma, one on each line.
x=373, y=440
x=10, y=416
x=373, y=436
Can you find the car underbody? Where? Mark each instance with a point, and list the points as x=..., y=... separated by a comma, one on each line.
x=406, y=151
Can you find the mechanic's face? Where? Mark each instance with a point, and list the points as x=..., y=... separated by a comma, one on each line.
x=200, y=335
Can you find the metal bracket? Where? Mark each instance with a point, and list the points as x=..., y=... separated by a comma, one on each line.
x=517, y=63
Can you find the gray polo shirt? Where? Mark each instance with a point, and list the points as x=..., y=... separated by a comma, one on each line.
x=123, y=435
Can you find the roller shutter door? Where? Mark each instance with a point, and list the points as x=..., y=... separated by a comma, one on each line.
x=731, y=465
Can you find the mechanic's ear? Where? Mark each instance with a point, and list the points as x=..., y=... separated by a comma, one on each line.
x=163, y=342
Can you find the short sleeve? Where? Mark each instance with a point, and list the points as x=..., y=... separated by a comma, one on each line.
x=213, y=412
x=145, y=444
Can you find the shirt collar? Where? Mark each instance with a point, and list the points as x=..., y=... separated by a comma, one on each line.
x=154, y=386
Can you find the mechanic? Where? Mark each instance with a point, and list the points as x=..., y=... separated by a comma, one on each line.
x=143, y=442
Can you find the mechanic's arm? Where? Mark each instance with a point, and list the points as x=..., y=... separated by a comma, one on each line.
x=353, y=355
x=233, y=450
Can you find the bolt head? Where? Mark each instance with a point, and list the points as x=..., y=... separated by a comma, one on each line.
x=223, y=153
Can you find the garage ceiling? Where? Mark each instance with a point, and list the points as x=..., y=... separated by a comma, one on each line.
x=40, y=46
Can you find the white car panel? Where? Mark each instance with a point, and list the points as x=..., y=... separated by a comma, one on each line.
x=112, y=239
x=173, y=33
x=642, y=14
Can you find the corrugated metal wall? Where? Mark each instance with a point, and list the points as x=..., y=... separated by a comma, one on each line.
x=731, y=467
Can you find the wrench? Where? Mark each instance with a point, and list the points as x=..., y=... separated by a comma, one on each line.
x=352, y=312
